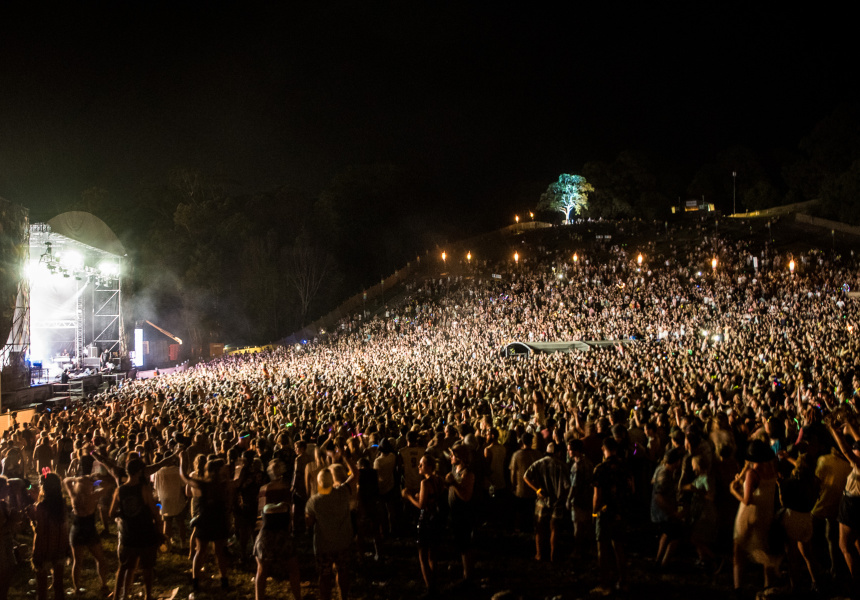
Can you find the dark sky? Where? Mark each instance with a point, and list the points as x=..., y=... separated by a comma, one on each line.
x=491, y=101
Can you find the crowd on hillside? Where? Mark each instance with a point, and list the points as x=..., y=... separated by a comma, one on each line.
x=729, y=426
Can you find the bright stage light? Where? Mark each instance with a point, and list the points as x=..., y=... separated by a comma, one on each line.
x=72, y=259
x=109, y=268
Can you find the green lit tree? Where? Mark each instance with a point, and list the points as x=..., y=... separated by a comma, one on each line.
x=567, y=195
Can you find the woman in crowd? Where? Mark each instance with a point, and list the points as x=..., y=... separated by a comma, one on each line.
x=211, y=524
x=461, y=488
x=274, y=544
x=51, y=540
x=755, y=489
x=429, y=519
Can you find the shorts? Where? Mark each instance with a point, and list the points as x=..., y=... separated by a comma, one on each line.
x=798, y=525
x=671, y=529
x=849, y=512
x=180, y=516
x=544, y=513
x=83, y=531
x=429, y=529
x=274, y=547
x=327, y=560
x=143, y=557
x=610, y=528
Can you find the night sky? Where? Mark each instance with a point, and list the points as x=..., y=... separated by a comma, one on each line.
x=489, y=101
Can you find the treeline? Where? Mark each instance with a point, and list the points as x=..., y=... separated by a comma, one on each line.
x=825, y=166
x=211, y=265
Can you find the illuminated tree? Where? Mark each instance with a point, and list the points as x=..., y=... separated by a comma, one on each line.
x=568, y=194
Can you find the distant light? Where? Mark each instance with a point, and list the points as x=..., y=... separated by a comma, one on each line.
x=138, y=348
x=639, y=259
x=575, y=257
x=714, y=263
x=444, y=256
x=469, y=256
x=516, y=257
x=791, y=266
x=517, y=218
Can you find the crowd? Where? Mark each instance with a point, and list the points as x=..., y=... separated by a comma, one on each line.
x=729, y=426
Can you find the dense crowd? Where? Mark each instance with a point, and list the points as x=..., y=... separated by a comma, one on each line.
x=727, y=426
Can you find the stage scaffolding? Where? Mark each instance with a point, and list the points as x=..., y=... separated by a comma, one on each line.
x=96, y=315
x=14, y=296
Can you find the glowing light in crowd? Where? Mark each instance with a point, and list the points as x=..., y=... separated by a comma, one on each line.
x=517, y=218
x=714, y=264
x=444, y=256
x=639, y=260
x=469, y=256
x=791, y=266
x=575, y=257
x=516, y=258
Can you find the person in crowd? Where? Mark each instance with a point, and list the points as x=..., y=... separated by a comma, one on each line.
x=755, y=489
x=524, y=495
x=461, y=488
x=9, y=520
x=51, y=539
x=139, y=525
x=580, y=497
x=85, y=492
x=549, y=477
x=664, y=505
x=849, y=506
x=170, y=491
x=274, y=544
x=328, y=516
x=613, y=489
x=428, y=501
x=211, y=524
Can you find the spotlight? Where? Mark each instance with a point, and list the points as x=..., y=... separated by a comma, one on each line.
x=109, y=268
x=72, y=259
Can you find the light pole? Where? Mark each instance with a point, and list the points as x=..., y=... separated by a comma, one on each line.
x=734, y=193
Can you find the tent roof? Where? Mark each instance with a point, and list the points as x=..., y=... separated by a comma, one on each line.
x=88, y=229
x=571, y=346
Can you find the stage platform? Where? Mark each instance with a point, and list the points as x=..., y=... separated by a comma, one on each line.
x=39, y=395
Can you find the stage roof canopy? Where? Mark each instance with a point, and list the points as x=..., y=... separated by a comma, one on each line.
x=87, y=229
